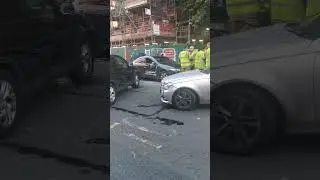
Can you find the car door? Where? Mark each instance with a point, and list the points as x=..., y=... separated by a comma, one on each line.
x=150, y=70
x=140, y=65
x=125, y=72
x=115, y=72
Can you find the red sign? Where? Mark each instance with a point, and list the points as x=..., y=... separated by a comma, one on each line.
x=170, y=53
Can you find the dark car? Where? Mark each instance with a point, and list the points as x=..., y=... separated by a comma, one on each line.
x=156, y=67
x=40, y=41
x=122, y=76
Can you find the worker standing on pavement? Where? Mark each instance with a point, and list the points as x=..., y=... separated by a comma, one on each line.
x=193, y=53
x=200, y=59
x=184, y=59
x=288, y=11
x=207, y=55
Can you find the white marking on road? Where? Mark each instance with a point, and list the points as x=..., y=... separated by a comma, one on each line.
x=114, y=125
x=141, y=128
x=134, y=154
x=133, y=136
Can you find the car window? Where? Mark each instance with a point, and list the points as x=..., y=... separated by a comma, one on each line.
x=121, y=62
x=148, y=61
x=139, y=61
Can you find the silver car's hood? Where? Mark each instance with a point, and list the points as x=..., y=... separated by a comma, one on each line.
x=254, y=45
x=185, y=76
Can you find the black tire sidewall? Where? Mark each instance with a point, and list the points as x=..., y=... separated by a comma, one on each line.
x=268, y=120
x=4, y=75
x=193, y=100
x=134, y=85
x=112, y=103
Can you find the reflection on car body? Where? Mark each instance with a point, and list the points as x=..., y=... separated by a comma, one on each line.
x=156, y=67
x=265, y=81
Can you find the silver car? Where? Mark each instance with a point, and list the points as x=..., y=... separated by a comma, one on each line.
x=265, y=82
x=187, y=89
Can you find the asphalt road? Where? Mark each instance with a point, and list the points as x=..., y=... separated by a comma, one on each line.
x=150, y=141
x=63, y=136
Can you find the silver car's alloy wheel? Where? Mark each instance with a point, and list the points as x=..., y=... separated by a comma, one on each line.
x=236, y=122
x=183, y=99
x=8, y=104
x=112, y=95
x=85, y=58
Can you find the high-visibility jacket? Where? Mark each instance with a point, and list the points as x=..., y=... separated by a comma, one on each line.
x=199, y=61
x=192, y=57
x=244, y=8
x=184, y=59
x=312, y=10
x=287, y=10
x=207, y=54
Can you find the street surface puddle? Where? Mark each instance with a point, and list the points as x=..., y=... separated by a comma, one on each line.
x=44, y=153
x=152, y=105
x=169, y=122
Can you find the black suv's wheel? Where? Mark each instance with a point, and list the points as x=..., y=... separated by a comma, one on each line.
x=184, y=99
x=84, y=71
x=136, y=81
x=113, y=94
x=244, y=119
x=9, y=102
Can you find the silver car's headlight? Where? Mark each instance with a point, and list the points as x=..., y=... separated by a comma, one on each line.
x=166, y=86
x=175, y=70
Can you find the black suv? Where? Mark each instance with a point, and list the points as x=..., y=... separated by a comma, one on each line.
x=40, y=40
x=122, y=75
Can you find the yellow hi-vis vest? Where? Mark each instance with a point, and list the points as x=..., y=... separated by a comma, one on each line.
x=184, y=59
x=199, y=61
x=192, y=57
x=287, y=10
x=244, y=8
x=207, y=54
x=312, y=10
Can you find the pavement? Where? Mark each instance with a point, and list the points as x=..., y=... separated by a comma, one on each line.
x=150, y=141
x=63, y=136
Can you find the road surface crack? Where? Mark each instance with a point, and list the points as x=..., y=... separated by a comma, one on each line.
x=153, y=116
x=44, y=153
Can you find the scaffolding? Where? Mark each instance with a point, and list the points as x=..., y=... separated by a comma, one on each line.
x=141, y=22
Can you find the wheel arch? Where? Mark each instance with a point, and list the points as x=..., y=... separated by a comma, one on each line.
x=7, y=64
x=282, y=110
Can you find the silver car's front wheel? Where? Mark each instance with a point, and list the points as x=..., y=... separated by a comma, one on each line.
x=8, y=104
x=184, y=99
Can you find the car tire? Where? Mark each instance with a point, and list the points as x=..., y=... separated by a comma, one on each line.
x=112, y=94
x=12, y=99
x=184, y=99
x=244, y=120
x=83, y=73
x=136, y=80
